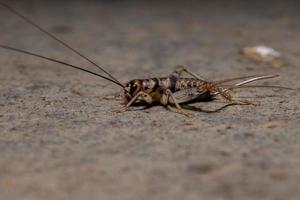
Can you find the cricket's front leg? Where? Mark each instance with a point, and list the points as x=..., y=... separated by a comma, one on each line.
x=146, y=97
x=179, y=69
x=118, y=97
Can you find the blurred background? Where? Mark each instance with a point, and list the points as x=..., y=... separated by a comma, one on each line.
x=158, y=35
x=60, y=140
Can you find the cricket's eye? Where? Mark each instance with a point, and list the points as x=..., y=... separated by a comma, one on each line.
x=133, y=88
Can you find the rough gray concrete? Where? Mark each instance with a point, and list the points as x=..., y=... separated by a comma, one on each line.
x=60, y=140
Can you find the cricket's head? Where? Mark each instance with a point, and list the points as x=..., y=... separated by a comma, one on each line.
x=132, y=88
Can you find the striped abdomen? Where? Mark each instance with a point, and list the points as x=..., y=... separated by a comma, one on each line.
x=185, y=83
x=172, y=83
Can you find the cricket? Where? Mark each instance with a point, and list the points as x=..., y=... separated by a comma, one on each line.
x=173, y=90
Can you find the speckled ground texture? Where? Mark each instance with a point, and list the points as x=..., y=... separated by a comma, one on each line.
x=59, y=138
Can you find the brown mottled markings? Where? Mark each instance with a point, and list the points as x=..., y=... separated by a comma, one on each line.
x=184, y=83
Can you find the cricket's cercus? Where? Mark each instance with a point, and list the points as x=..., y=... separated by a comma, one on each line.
x=171, y=90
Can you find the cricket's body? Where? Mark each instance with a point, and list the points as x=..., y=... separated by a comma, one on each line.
x=171, y=90
x=157, y=87
x=175, y=90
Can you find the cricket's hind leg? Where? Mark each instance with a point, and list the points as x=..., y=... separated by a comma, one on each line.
x=227, y=96
x=179, y=69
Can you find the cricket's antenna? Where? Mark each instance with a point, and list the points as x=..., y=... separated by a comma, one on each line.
x=57, y=39
x=60, y=62
x=259, y=86
x=255, y=77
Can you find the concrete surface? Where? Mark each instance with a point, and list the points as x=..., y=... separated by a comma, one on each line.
x=60, y=140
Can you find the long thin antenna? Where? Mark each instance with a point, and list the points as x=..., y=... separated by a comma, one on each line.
x=241, y=84
x=241, y=77
x=256, y=86
x=57, y=39
x=60, y=62
x=256, y=79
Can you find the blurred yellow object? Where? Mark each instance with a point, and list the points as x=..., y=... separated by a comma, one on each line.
x=263, y=54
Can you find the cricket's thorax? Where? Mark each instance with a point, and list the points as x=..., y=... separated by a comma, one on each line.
x=159, y=84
